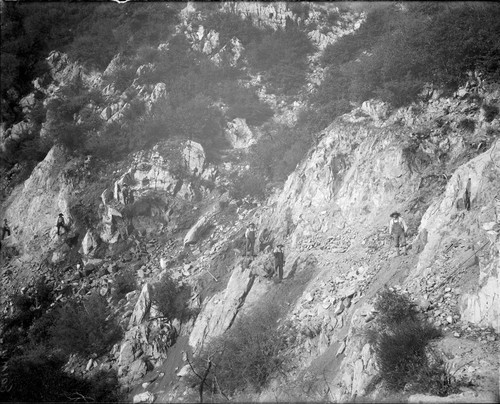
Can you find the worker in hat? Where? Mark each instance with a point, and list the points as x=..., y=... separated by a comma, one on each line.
x=60, y=223
x=250, y=240
x=279, y=261
x=398, y=230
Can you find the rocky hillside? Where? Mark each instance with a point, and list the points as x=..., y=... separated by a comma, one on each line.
x=154, y=290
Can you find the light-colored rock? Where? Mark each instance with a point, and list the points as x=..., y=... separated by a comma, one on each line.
x=185, y=370
x=34, y=205
x=466, y=397
x=141, y=309
x=220, y=311
x=89, y=243
x=196, y=231
x=145, y=397
x=127, y=354
x=194, y=156
x=239, y=134
x=137, y=370
x=376, y=109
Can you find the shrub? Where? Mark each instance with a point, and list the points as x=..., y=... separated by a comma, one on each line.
x=248, y=355
x=75, y=103
x=389, y=56
x=490, y=112
x=125, y=282
x=85, y=328
x=40, y=331
x=282, y=55
x=28, y=307
x=171, y=298
x=244, y=103
x=393, y=308
x=436, y=380
x=400, y=351
x=400, y=339
x=250, y=183
x=37, y=376
x=467, y=124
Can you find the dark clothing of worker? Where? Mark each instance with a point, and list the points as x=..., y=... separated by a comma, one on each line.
x=60, y=223
x=467, y=195
x=398, y=230
x=131, y=197
x=279, y=262
x=250, y=241
x=5, y=229
x=125, y=193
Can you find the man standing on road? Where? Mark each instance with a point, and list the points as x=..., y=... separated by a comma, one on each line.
x=279, y=261
x=250, y=239
x=398, y=230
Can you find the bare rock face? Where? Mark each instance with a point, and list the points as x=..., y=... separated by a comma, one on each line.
x=145, y=397
x=110, y=225
x=483, y=307
x=352, y=172
x=33, y=207
x=157, y=171
x=221, y=310
x=194, y=156
x=268, y=14
x=377, y=110
x=146, y=342
x=239, y=134
x=443, y=213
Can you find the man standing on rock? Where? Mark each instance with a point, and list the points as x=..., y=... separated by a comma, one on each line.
x=125, y=194
x=5, y=229
x=279, y=261
x=398, y=229
x=467, y=194
x=250, y=239
x=60, y=223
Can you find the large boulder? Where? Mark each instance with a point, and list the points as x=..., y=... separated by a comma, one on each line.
x=142, y=307
x=195, y=232
x=89, y=243
x=376, y=109
x=145, y=397
x=109, y=232
x=201, y=226
x=239, y=134
x=221, y=310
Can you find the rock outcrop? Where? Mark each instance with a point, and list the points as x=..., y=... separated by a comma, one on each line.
x=33, y=207
x=220, y=311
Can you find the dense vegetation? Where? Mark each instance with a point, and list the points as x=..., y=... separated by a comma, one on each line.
x=90, y=32
x=400, y=339
x=41, y=333
x=396, y=51
x=399, y=48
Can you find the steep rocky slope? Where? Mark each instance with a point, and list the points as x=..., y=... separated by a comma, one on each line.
x=331, y=215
